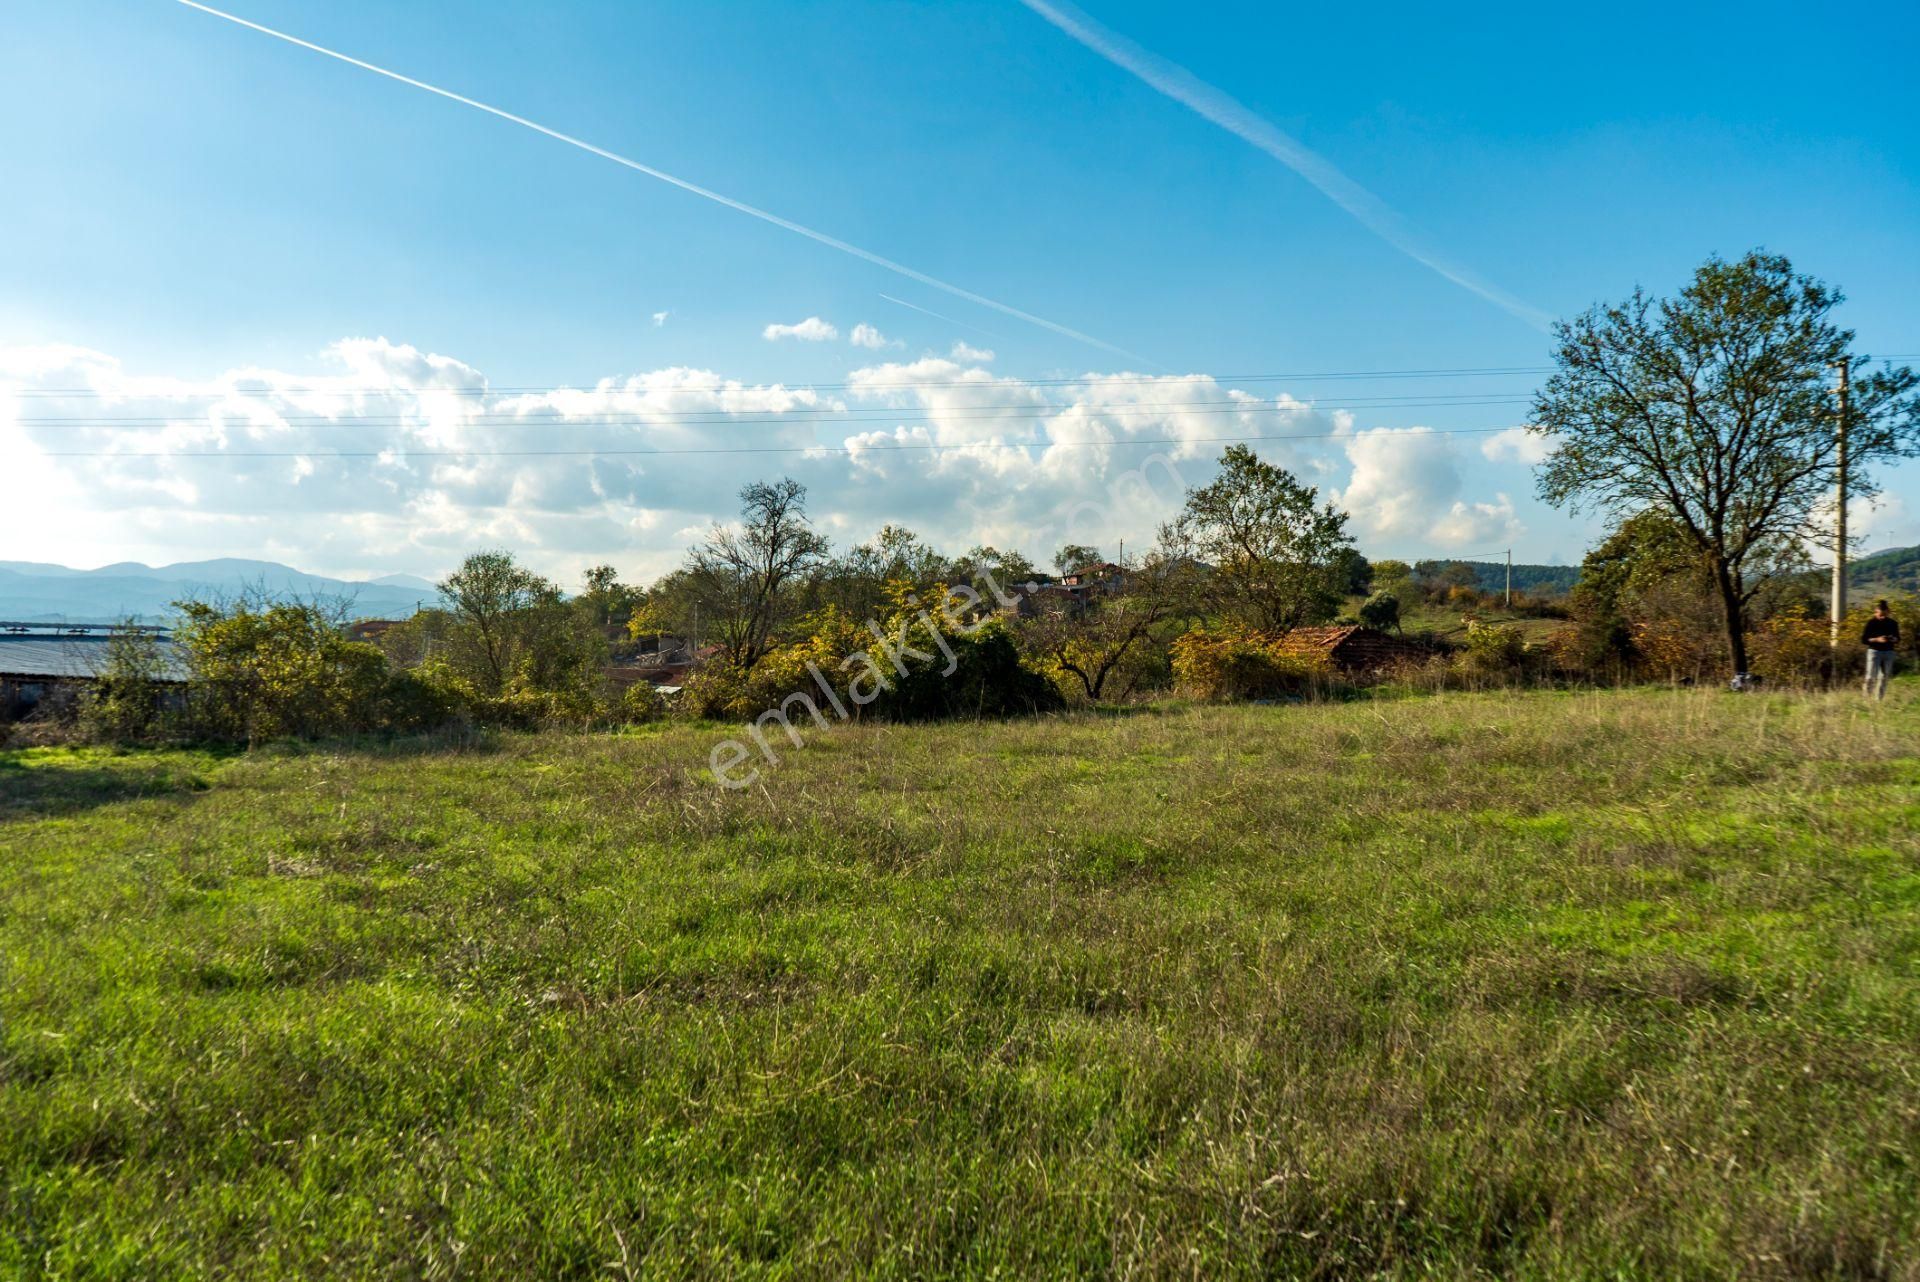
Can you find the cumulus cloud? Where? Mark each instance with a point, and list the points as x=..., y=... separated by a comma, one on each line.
x=383, y=457
x=1468, y=523
x=1517, y=445
x=810, y=330
x=962, y=351
x=660, y=318
x=1404, y=489
x=865, y=335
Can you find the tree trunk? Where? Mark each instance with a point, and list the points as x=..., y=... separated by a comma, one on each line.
x=1734, y=613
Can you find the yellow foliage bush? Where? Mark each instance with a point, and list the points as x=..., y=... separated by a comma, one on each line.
x=1233, y=664
x=1675, y=648
x=1493, y=650
x=1794, y=647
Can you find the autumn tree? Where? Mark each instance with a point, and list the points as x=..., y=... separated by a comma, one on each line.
x=1073, y=557
x=506, y=626
x=607, y=601
x=857, y=582
x=1714, y=407
x=984, y=566
x=746, y=580
x=486, y=596
x=1279, y=555
x=1099, y=639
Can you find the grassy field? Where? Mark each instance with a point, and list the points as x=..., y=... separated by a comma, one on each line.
x=1606, y=985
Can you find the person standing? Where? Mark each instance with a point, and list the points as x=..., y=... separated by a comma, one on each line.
x=1881, y=636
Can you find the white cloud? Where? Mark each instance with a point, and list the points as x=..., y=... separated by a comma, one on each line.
x=1465, y=524
x=810, y=330
x=388, y=458
x=1404, y=491
x=660, y=318
x=972, y=355
x=865, y=335
x=1517, y=445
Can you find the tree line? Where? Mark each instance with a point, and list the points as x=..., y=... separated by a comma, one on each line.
x=1701, y=424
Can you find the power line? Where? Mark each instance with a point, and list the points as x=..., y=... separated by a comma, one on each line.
x=402, y=452
x=799, y=388
x=864, y=385
x=757, y=418
x=612, y=388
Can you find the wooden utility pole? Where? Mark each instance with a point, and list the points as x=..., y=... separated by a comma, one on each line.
x=1838, y=610
x=1509, y=580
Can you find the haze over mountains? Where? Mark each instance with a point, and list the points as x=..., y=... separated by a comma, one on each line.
x=41, y=592
x=37, y=591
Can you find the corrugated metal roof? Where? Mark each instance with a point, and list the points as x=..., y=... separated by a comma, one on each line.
x=58, y=656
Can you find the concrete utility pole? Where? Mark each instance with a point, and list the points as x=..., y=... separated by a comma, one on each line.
x=1838, y=610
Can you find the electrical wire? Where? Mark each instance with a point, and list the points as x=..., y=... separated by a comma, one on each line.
x=608, y=387
x=864, y=385
x=784, y=418
x=398, y=453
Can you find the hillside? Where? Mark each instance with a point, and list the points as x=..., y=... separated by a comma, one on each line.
x=1891, y=572
x=1895, y=570
x=35, y=592
x=1536, y=580
x=1575, y=986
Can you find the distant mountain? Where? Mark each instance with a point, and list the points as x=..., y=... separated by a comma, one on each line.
x=413, y=581
x=1894, y=570
x=35, y=591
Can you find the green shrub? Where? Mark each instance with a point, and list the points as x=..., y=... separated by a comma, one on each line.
x=1496, y=652
x=282, y=670
x=638, y=704
x=417, y=699
x=127, y=702
x=987, y=679
x=987, y=676
x=1382, y=611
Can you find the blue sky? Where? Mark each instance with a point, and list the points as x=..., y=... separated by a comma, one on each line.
x=186, y=198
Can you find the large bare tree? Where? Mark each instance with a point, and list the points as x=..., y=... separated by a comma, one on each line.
x=746, y=578
x=1716, y=408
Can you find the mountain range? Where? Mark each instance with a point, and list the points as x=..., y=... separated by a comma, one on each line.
x=40, y=592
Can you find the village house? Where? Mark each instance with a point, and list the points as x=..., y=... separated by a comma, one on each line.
x=370, y=629
x=1041, y=596
x=1354, y=648
x=1104, y=577
x=666, y=666
x=44, y=667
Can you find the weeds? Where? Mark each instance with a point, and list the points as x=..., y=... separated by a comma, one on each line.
x=1603, y=983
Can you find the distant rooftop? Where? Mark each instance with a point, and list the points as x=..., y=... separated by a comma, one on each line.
x=72, y=650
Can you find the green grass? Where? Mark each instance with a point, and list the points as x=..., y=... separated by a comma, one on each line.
x=1615, y=985
x=1449, y=621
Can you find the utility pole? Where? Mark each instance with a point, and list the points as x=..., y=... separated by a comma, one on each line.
x=1509, y=580
x=1838, y=610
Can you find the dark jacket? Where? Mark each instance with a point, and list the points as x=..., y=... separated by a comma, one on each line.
x=1881, y=634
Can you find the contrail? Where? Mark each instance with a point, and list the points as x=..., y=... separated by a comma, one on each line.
x=799, y=229
x=1181, y=85
x=928, y=311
